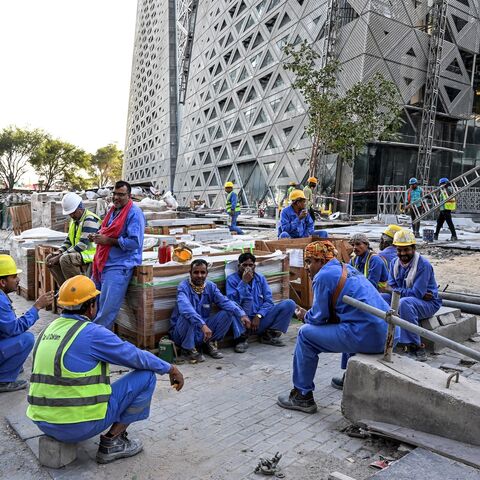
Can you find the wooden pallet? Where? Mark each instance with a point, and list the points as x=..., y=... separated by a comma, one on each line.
x=21, y=218
x=44, y=281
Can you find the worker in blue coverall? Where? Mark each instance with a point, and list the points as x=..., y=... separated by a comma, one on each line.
x=232, y=208
x=121, y=246
x=250, y=290
x=412, y=276
x=388, y=251
x=331, y=325
x=81, y=377
x=366, y=262
x=192, y=325
x=295, y=221
x=15, y=341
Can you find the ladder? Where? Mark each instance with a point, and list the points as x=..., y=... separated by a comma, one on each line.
x=433, y=201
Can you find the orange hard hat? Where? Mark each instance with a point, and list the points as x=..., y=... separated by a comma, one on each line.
x=76, y=290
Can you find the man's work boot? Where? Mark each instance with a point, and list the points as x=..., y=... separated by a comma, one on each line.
x=113, y=448
x=417, y=352
x=454, y=238
x=296, y=401
x=337, y=382
x=13, y=386
x=210, y=348
x=242, y=344
x=194, y=356
x=272, y=337
x=435, y=236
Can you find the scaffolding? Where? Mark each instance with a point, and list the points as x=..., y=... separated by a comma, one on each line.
x=438, y=25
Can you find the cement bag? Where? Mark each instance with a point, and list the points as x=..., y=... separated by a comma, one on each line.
x=169, y=199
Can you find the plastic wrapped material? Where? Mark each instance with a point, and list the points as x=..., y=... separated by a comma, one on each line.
x=170, y=200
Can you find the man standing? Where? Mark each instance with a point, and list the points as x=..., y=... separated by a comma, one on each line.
x=119, y=250
x=295, y=222
x=232, y=208
x=308, y=192
x=331, y=325
x=412, y=276
x=15, y=342
x=252, y=293
x=192, y=325
x=388, y=251
x=366, y=262
x=413, y=196
x=446, y=210
x=70, y=397
x=77, y=252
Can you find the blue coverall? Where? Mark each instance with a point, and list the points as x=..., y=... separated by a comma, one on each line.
x=389, y=254
x=118, y=270
x=357, y=332
x=15, y=342
x=192, y=311
x=291, y=226
x=377, y=270
x=412, y=305
x=131, y=394
x=233, y=226
x=256, y=297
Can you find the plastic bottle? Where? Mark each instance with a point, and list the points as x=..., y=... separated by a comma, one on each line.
x=162, y=253
x=168, y=254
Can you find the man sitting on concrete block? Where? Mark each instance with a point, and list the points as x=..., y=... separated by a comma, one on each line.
x=331, y=325
x=412, y=276
x=15, y=341
x=252, y=293
x=295, y=221
x=192, y=326
x=70, y=395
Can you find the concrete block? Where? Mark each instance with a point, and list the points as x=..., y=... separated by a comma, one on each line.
x=411, y=394
x=459, y=331
x=430, y=323
x=446, y=319
x=54, y=454
x=456, y=312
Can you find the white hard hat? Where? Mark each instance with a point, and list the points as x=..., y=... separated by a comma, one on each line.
x=70, y=202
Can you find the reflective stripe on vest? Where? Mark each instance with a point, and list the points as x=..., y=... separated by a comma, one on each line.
x=58, y=395
x=75, y=234
x=366, y=268
x=451, y=204
x=229, y=204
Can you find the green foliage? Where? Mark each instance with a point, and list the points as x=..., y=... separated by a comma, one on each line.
x=59, y=163
x=106, y=167
x=342, y=123
x=17, y=146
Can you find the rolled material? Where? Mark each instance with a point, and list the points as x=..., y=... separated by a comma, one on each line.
x=464, y=307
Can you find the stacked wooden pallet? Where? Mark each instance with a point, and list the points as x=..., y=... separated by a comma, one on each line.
x=21, y=218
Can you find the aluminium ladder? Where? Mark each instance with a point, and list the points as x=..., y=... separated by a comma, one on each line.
x=433, y=201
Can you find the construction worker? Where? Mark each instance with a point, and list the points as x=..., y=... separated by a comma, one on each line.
x=77, y=252
x=366, y=262
x=252, y=293
x=412, y=276
x=232, y=208
x=412, y=197
x=308, y=192
x=15, y=341
x=119, y=250
x=295, y=222
x=192, y=326
x=388, y=251
x=70, y=397
x=446, y=209
x=332, y=325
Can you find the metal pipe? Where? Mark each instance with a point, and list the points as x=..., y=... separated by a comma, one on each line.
x=464, y=307
x=459, y=297
x=458, y=347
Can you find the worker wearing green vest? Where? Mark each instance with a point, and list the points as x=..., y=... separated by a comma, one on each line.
x=446, y=210
x=77, y=252
x=233, y=208
x=70, y=396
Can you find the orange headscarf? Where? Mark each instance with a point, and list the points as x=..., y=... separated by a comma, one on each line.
x=320, y=250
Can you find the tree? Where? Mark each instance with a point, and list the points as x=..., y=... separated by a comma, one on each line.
x=106, y=165
x=342, y=123
x=17, y=146
x=58, y=162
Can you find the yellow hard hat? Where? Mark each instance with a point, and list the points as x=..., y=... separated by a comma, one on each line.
x=296, y=195
x=404, y=238
x=391, y=230
x=293, y=184
x=228, y=184
x=76, y=290
x=312, y=180
x=182, y=254
x=8, y=266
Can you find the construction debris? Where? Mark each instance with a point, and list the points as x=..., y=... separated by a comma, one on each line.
x=270, y=467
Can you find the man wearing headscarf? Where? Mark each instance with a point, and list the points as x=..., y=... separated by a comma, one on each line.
x=388, y=251
x=331, y=325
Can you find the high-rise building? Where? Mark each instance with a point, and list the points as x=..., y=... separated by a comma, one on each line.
x=241, y=120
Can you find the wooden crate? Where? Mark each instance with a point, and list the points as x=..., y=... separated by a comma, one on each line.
x=21, y=218
x=44, y=281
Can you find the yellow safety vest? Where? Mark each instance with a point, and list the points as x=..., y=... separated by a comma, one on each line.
x=229, y=204
x=75, y=233
x=56, y=394
x=366, y=268
x=451, y=204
